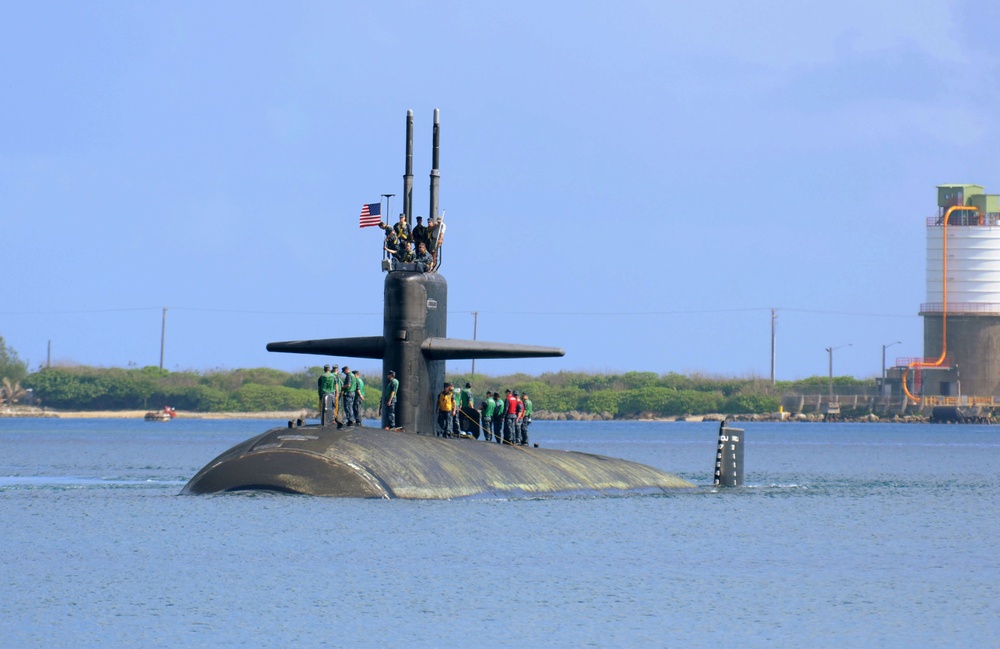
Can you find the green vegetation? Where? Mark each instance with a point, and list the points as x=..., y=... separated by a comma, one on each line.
x=631, y=394
x=11, y=367
x=244, y=390
x=634, y=394
x=12, y=372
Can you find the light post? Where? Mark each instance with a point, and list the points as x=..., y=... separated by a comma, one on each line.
x=885, y=347
x=830, y=350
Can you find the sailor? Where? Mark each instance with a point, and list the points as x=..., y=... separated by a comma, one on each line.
x=519, y=415
x=468, y=415
x=337, y=393
x=327, y=393
x=526, y=418
x=350, y=386
x=359, y=397
x=498, y=417
x=423, y=258
x=486, y=416
x=389, y=392
x=509, y=417
x=391, y=244
x=402, y=229
x=438, y=240
x=420, y=234
x=432, y=232
x=446, y=407
x=405, y=255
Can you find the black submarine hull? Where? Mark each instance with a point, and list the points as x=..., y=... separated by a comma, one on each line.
x=361, y=462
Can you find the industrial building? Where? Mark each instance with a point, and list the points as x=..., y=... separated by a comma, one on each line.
x=961, y=357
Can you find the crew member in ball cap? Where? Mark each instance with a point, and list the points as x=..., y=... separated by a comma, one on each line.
x=389, y=393
x=446, y=407
x=350, y=386
x=336, y=395
x=518, y=414
x=509, y=417
x=327, y=394
x=420, y=234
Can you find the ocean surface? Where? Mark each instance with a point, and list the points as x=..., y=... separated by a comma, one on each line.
x=846, y=535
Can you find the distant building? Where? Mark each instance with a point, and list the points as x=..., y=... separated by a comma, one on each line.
x=962, y=311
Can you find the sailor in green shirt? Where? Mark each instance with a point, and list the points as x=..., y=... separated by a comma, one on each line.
x=350, y=386
x=389, y=394
x=468, y=417
x=525, y=418
x=489, y=407
x=359, y=397
x=327, y=385
x=336, y=395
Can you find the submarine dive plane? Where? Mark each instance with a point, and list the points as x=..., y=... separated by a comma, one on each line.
x=410, y=461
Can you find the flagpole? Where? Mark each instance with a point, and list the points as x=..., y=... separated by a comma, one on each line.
x=387, y=197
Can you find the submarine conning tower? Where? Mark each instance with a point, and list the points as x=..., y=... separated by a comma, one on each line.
x=414, y=342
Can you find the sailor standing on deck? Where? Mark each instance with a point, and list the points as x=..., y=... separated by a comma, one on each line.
x=519, y=415
x=509, y=417
x=336, y=395
x=359, y=397
x=526, y=418
x=468, y=416
x=498, y=416
x=389, y=392
x=486, y=412
x=327, y=394
x=446, y=407
x=350, y=387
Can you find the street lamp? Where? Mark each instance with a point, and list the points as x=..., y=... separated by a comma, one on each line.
x=830, y=350
x=885, y=347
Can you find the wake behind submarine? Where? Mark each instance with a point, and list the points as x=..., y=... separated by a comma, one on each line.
x=410, y=461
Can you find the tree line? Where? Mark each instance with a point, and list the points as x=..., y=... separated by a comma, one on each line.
x=630, y=394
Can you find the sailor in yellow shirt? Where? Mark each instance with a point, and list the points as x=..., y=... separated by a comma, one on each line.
x=446, y=409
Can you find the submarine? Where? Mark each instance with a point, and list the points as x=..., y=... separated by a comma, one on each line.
x=410, y=461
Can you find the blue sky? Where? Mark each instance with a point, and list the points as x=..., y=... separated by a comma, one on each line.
x=637, y=182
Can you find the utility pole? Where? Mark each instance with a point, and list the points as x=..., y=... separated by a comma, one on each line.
x=774, y=320
x=48, y=359
x=475, y=325
x=885, y=347
x=830, y=350
x=163, y=335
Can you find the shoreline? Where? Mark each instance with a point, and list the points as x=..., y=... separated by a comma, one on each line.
x=24, y=413
x=30, y=412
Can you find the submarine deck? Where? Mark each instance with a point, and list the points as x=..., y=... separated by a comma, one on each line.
x=374, y=463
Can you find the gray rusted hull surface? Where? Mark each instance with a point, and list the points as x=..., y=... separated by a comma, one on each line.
x=372, y=463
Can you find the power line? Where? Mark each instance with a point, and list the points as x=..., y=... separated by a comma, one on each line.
x=513, y=313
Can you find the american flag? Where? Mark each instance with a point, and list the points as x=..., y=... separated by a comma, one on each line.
x=371, y=214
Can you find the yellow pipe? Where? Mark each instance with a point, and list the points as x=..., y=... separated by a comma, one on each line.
x=944, y=299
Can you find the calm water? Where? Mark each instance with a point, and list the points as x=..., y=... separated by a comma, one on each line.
x=849, y=535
